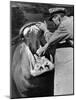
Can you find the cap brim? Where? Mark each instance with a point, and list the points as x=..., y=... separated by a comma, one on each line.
x=57, y=12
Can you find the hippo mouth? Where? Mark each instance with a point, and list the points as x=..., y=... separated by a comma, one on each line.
x=41, y=66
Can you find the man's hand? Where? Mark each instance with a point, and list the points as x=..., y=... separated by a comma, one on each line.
x=71, y=42
x=42, y=26
x=40, y=51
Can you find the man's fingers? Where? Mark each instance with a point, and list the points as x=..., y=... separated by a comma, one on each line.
x=38, y=25
x=62, y=28
x=41, y=23
x=61, y=31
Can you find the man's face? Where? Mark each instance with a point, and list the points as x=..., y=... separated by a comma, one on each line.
x=56, y=19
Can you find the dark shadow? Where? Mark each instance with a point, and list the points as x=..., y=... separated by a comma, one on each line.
x=7, y=96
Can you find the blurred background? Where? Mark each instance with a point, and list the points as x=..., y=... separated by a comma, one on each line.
x=22, y=13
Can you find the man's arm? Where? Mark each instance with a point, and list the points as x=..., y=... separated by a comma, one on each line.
x=54, y=39
x=59, y=35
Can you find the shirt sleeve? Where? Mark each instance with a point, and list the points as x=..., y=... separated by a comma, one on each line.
x=59, y=35
x=62, y=30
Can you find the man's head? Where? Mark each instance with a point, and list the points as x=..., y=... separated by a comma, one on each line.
x=56, y=14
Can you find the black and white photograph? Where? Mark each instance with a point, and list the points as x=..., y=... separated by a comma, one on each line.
x=41, y=49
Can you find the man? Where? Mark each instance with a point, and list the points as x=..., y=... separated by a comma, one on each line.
x=64, y=57
x=64, y=24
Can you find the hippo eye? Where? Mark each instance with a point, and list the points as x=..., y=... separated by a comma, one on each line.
x=47, y=63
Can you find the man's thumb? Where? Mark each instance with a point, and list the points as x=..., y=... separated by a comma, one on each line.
x=45, y=23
